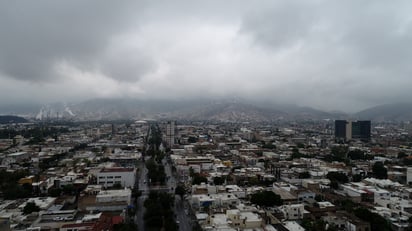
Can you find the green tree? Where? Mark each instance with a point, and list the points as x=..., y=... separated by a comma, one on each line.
x=338, y=153
x=156, y=171
x=180, y=190
x=334, y=184
x=69, y=189
x=9, y=186
x=348, y=205
x=159, y=213
x=170, y=224
x=317, y=225
x=304, y=175
x=407, y=161
x=266, y=198
x=319, y=197
x=269, y=145
x=125, y=227
x=55, y=192
x=337, y=178
x=356, y=155
x=30, y=207
x=402, y=155
x=300, y=145
x=377, y=222
x=117, y=185
x=379, y=170
x=15, y=191
x=218, y=180
x=296, y=154
x=356, y=178
x=28, y=188
x=192, y=139
x=87, y=162
x=198, y=179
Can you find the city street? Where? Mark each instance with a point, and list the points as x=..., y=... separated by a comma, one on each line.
x=182, y=217
x=144, y=189
x=181, y=207
x=142, y=182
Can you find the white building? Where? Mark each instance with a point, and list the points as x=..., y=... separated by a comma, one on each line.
x=379, y=194
x=235, y=189
x=106, y=200
x=244, y=220
x=409, y=176
x=43, y=202
x=108, y=177
x=217, y=222
x=214, y=200
x=293, y=211
x=293, y=226
x=122, y=195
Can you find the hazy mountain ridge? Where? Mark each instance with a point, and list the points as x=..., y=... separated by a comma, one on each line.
x=387, y=112
x=217, y=110
x=224, y=110
x=6, y=119
x=229, y=112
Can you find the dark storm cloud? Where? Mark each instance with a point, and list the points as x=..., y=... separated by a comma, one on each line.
x=328, y=54
x=281, y=24
x=37, y=35
x=358, y=50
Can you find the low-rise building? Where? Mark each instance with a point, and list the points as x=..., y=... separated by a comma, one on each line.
x=105, y=200
x=108, y=177
x=243, y=220
x=293, y=211
x=200, y=201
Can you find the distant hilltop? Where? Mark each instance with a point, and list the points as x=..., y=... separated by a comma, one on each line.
x=217, y=110
x=387, y=112
x=9, y=119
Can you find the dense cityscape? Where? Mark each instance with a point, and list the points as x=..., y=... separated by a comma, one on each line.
x=187, y=115
x=203, y=175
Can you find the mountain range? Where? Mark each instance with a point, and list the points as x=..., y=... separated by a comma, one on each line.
x=220, y=110
x=387, y=112
x=7, y=119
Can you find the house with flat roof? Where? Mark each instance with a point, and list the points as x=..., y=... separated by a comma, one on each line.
x=108, y=177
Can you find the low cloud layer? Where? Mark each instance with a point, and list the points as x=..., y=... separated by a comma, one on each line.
x=332, y=55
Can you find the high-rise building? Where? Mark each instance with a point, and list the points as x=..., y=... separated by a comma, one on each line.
x=170, y=133
x=340, y=130
x=361, y=130
x=349, y=130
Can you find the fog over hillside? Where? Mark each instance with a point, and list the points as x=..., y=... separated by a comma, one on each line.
x=328, y=55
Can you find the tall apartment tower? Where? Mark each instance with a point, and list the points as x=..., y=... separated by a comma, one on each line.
x=350, y=130
x=340, y=130
x=170, y=133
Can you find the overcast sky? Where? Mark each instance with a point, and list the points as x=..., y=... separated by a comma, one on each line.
x=333, y=55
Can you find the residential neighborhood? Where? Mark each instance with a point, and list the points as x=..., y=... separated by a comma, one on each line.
x=185, y=115
x=194, y=175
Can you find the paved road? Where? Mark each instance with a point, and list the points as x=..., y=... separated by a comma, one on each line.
x=181, y=207
x=142, y=185
x=140, y=212
x=182, y=215
x=171, y=181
